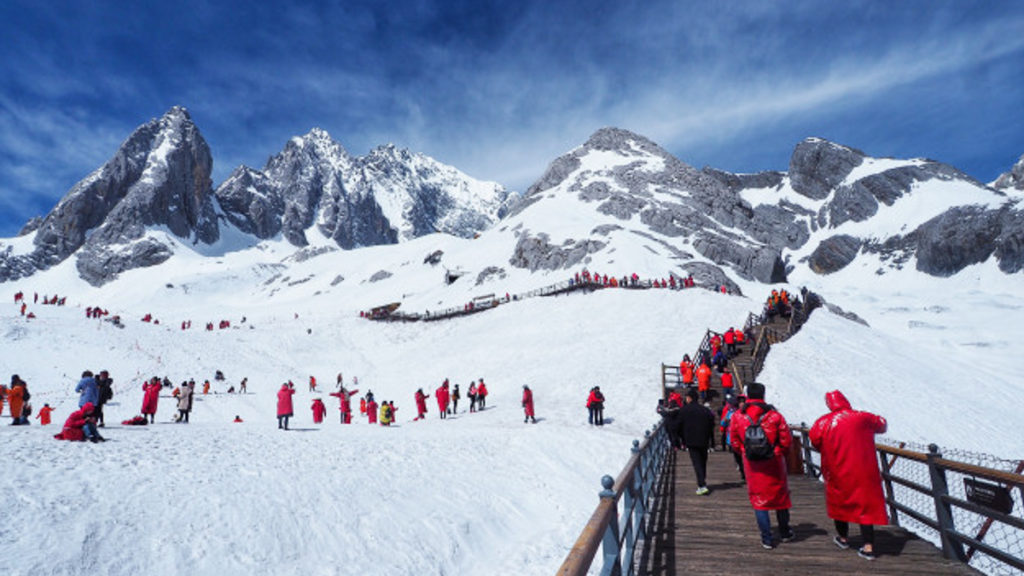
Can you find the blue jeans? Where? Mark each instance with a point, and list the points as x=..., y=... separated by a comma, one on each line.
x=764, y=523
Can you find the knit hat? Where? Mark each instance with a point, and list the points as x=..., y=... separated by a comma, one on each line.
x=755, y=391
x=691, y=394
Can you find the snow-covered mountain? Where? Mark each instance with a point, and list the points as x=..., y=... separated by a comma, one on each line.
x=156, y=192
x=480, y=493
x=158, y=179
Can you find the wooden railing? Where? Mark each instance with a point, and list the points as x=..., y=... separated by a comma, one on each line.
x=948, y=514
x=621, y=535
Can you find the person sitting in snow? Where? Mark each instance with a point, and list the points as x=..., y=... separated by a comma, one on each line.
x=80, y=426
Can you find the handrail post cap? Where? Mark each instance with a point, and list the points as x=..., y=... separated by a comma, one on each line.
x=933, y=448
x=607, y=482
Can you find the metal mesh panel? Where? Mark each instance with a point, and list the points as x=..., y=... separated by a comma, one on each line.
x=1003, y=537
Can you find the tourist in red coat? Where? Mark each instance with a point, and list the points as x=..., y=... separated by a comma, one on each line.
x=853, y=485
x=150, y=398
x=284, y=405
x=767, y=480
x=319, y=411
x=528, y=405
x=80, y=426
x=441, y=394
x=421, y=405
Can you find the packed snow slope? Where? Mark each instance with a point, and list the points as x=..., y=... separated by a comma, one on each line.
x=479, y=493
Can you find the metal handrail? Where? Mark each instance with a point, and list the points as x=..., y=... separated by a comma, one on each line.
x=952, y=540
x=622, y=538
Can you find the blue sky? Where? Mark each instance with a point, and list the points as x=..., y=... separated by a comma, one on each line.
x=500, y=89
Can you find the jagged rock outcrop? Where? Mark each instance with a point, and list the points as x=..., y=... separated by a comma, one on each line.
x=627, y=177
x=818, y=166
x=1013, y=179
x=160, y=176
x=385, y=197
x=834, y=253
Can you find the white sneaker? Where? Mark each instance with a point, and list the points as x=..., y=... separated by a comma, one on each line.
x=703, y=490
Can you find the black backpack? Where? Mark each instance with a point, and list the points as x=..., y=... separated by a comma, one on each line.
x=756, y=445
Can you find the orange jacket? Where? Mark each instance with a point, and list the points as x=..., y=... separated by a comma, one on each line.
x=44, y=415
x=704, y=377
x=15, y=397
x=686, y=371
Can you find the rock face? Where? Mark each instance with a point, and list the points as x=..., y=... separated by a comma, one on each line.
x=159, y=179
x=627, y=178
x=160, y=176
x=1013, y=179
x=818, y=166
x=388, y=196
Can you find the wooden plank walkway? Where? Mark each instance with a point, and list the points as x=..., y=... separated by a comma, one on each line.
x=717, y=534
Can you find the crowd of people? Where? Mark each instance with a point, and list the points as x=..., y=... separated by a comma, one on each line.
x=759, y=438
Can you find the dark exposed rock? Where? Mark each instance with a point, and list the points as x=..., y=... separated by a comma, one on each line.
x=957, y=238
x=250, y=203
x=536, y=253
x=1010, y=243
x=1012, y=179
x=98, y=264
x=380, y=275
x=817, y=166
x=834, y=253
x=490, y=272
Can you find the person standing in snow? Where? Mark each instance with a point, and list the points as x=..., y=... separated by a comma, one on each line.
x=44, y=415
x=472, y=396
x=150, y=398
x=105, y=387
x=853, y=485
x=421, y=405
x=17, y=398
x=595, y=404
x=371, y=410
x=88, y=389
x=185, y=403
x=441, y=394
x=455, y=399
x=385, y=413
x=528, y=405
x=481, y=394
x=284, y=405
x=319, y=411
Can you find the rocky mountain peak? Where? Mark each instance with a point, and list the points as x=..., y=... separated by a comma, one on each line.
x=1013, y=179
x=817, y=166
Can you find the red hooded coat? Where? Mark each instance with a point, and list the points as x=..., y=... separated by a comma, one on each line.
x=73, y=425
x=767, y=481
x=319, y=411
x=284, y=401
x=528, y=402
x=150, y=398
x=846, y=439
x=442, y=398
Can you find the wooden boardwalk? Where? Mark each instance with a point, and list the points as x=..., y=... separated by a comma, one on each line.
x=717, y=534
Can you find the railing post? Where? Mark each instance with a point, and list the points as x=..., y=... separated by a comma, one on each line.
x=610, y=539
x=951, y=548
x=805, y=441
x=894, y=515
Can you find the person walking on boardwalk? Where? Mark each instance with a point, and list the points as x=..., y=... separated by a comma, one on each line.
x=764, y=463
x=853, y=485
x=697, y=427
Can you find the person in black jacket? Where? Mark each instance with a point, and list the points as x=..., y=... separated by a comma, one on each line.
x=106, y=392
x=697, y=427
